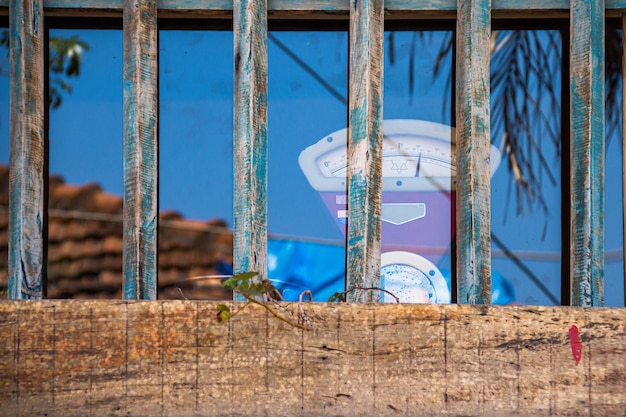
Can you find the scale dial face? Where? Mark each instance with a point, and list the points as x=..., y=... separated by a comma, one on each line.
x=404, y=156
x=412, y=278
x=417, y=156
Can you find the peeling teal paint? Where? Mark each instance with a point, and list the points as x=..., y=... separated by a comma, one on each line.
x=473, y=224
x=364, y=144
x=26, y=187
x=587, y=153
x=250, y=137
x=140, y=150
x=35, y=19
x=322, y=5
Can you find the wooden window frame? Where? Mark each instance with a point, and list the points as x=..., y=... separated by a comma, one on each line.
x=366, y=20
x=173, y=357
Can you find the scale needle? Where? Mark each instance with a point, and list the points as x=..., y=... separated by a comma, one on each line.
x=419, y=161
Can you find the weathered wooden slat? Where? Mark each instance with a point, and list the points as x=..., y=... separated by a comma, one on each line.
x=26, y=183
x=319, y=9
x=587, y=152
x=365, y=138
x=86, y=6
x=322, y=4
x=250, y=137
x=473, y=212
x=99, y=358
x=140, y=149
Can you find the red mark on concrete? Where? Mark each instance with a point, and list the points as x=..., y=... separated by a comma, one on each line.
x=577, y=346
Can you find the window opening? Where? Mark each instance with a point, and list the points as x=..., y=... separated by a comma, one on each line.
x=614, y=295
x=85, y=163
x=307, y=102
x=419, y=167
x=4, y=157
x=526, y=194
x=195, y=163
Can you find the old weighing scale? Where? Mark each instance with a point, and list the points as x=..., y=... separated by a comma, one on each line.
x=418, y=207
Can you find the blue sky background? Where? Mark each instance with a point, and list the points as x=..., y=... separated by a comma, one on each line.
x=196, y=86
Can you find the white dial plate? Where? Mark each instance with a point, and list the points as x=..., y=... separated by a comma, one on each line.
x=417, y=156
x=412, y=278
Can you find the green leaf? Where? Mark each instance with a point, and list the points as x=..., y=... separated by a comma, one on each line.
x=244, y=286
x=257, y=288
x=236, y=281
x=223, y=312
x=337, y=297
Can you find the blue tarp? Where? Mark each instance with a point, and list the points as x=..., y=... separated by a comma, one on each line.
x=295, y=266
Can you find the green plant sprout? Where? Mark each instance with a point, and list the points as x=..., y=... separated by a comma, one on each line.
x=270, y=297
x=264, y=293
x=341, y=296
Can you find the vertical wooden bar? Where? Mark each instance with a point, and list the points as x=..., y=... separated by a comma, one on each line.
x=140, y=149
x=587, y=152
x=473, y=212
x=365, y=137
x=26, y=184
x=250, y=136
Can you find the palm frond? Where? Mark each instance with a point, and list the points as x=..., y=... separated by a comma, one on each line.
x=613, y=81
x=526, y=73
x=526, y=109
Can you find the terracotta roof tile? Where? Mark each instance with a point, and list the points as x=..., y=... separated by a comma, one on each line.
x=85, y=246
x=112, y=244
x=105, y=203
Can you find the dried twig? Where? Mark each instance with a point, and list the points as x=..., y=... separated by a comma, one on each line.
x=303, y=318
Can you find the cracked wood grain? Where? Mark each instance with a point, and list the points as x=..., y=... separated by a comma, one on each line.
x=541, y=8
x=473, y=189
x=26, y=180
x=140, y=149
x=250, y=137
x=174, y=358
x=587, y=152
x=365, y=137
